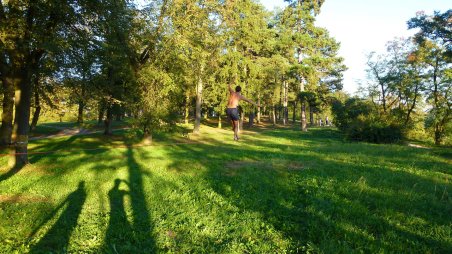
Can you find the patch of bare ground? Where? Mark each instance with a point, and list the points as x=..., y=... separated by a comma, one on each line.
x=231, y=168
x=23, y=198
x=418, y=146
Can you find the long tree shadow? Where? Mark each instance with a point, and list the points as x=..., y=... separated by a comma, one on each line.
x=14, y=170
x=139, y=239
x=57, y=238
x=119, y=229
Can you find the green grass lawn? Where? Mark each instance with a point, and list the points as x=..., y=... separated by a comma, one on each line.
x=275, y=191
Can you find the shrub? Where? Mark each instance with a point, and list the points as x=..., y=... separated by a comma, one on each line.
x=361, y=122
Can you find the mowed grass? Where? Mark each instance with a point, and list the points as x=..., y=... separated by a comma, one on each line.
x=275, y=191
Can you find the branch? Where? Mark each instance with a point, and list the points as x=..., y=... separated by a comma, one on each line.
x=146, y=54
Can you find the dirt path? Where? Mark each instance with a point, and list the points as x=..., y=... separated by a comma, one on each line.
x=67, y=132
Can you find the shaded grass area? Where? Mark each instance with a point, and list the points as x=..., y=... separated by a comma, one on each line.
x=277, y=190
x=52, y=128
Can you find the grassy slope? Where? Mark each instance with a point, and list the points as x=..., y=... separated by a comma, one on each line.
x=277, y=190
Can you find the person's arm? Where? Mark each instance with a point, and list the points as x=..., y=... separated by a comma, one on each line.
x=230, y=89
x=249, y=101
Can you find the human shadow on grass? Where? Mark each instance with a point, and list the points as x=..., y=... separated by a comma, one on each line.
x=122, y=236
x=309, y=214
x=119, y=229
x=57, y=238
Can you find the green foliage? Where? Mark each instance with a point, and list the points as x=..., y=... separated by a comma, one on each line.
x=359, y=121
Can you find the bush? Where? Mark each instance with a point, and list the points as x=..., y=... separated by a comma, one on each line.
x=361, y=122
x=374, y=132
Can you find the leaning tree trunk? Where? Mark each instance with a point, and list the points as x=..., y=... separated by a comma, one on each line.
x=6, y=129
x=198, y=106
x=37, y=112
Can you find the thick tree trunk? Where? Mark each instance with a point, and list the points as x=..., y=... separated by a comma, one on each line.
x=198, y=106
x=22, y=118
x=34, y=120
x=6, y=129
x=251, y=119
x=303, y=117
x=81, y=107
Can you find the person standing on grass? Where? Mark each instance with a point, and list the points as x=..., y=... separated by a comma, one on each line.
x=232, y=111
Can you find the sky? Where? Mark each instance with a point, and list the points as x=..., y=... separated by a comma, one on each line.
x=364, y=26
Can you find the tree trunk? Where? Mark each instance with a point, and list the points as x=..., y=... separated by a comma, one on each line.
x=81, y=107
x=81, y=103
x=219, y=120
x=251, y=119
x=198, y=105
x=303, y=110
x=311, y=116
x=206, y=114
x=6, y=129
x=100, y=116
x=294, y=113
x=285, y=101
x=108, y=130
x=303, y=116
x=37, y=112
x=274, y=115
x=187, y=108
x=438, y=131
x=241, y=120
x=259, y=108
x=22, y=118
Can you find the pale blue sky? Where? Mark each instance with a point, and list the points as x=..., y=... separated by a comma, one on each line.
x=364, y=26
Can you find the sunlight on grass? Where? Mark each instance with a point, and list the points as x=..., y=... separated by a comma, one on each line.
x=277, y=190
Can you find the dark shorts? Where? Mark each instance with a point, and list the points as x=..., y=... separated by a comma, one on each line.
x=233, y=114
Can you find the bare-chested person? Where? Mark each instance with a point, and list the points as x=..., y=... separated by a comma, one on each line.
x=232, y=111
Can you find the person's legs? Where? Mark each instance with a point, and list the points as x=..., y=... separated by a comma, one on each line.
x=233, y=127
x=236, y=130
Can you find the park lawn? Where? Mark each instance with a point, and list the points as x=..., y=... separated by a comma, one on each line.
x=277, y=190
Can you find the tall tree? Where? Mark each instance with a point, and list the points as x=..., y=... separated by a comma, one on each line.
x=435, y=50
x=29, y=31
